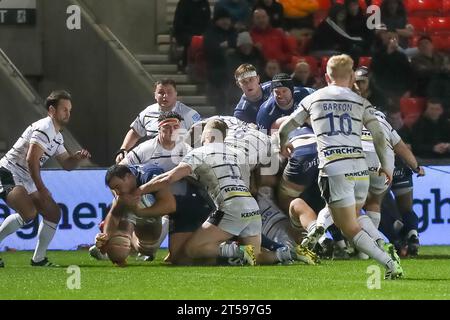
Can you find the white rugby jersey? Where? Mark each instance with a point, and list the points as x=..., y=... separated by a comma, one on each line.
x=222, y=170
x=392, y=138
x=337, y=117
x=151, y=151
x=44, y=134
x=253, y=143
x=146, y=123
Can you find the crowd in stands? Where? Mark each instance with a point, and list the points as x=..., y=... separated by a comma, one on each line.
x=406, y=52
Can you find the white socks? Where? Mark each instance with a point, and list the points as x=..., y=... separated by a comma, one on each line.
x=46, y=232
x=366, y=223
x=324, y=218
x=375, y=217
x=230, y=250
x=363, y=242
x=311, y=226
x=11, y=224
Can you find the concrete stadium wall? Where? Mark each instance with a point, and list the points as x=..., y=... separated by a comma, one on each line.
x=107, y=95
x=132, y=21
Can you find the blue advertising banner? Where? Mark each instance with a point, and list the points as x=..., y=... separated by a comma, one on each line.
x=84, y=200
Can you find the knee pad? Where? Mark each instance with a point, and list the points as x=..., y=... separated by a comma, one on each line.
x=119, y=248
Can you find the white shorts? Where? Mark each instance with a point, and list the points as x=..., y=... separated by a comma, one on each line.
x=238, y=216
x=346, y=189
x=377, y=183
x=21, y=180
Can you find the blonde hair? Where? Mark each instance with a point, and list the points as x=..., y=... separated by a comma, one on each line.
x=340, y=67
x=243, y=69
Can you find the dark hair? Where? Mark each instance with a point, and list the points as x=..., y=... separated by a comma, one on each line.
x=169, y=114
x=54, y=98
x=424, y=37
x=165, y=82
x=117, y=170
x=401, y=11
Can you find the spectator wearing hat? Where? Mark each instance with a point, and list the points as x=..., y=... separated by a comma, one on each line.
x=245, y=52
x=219, y=40
x=240, y=12
x=272, y=42
x=284, y=100
x=425, y=64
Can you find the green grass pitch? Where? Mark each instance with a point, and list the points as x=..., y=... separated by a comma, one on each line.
x=427, y=277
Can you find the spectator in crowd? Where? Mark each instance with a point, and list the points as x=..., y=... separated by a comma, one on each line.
x=331, y=37
x=272, y=42
x=439, y=87
x=219, y=39
x=192, y=17
x=299, y=14
x=240, y=12
x=271, y=68
x=274, y=10
x=356, y=24
x=302, y=76
x=393, y=14
x=425, y=64
x=391, y=73
x=430, y=135
x=246, y=53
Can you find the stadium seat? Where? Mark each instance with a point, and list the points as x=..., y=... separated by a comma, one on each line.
x=313, y=63
x=419, y=23
x=196, y=58
x=441, y=42
x=411, y=109
x=324, y=4
x=365, y=61
x=323, y=65
x=438, y=25
x=423, y=7
x=446, y=7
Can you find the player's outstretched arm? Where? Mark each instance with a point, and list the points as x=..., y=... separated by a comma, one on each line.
x=70, y=162
x=402, y=150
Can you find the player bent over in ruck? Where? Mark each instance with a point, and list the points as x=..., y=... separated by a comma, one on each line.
x=125, y=227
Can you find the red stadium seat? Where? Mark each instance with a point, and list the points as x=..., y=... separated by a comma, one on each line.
x=446, y=6
x=441, y=42
x=411, y=109
x=377, y=2
x=438, y=25
x=365, y=61
x=419, y=23
x=423, y=6
x=324, y=4
x=313, y=63
x=196, y=57
x=323, y=65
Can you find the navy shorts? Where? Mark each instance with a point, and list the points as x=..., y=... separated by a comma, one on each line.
x=191, y=212
x=402, y=177
x=313, y=197
x=302, y=169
